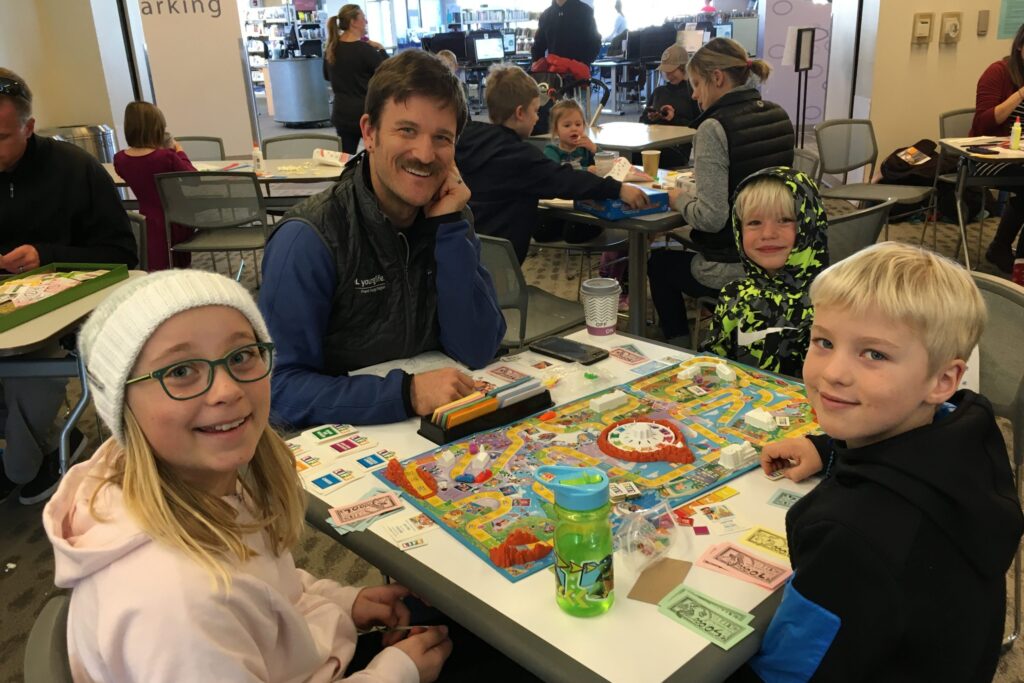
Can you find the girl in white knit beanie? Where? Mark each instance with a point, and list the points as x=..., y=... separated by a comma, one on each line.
x=174, y=537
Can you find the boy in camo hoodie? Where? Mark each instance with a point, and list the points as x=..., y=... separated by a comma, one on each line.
x=764, y=319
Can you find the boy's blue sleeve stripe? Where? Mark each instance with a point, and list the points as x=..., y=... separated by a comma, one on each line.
x=797, y=639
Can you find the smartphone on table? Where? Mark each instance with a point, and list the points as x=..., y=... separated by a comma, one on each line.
x=569, y=350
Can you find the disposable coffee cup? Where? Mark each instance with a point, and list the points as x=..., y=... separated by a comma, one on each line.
x=600, y=296
x=604, y=162
x=651, y=159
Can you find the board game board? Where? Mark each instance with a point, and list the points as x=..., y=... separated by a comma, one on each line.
x=494, y=505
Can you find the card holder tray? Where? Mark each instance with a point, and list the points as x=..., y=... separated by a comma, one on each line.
x=498, y=418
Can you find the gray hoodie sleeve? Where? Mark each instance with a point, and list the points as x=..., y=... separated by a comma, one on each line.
x=707, y=208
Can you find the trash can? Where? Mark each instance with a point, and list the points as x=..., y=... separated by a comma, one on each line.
x=96, y=139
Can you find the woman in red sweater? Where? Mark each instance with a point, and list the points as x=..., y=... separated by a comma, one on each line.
x=999, y=101
x=152, y=151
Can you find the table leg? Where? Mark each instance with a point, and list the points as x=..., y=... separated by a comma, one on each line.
x=961, y=183
x=614, y=111
x=637, y=283
x=76, y=413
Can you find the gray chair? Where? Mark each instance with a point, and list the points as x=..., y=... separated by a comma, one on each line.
x=530, y=312
x=807, y=161
x=46, y=652
x=202, y=147
x=226, y=209
x=138, y=223
x=1001, y=370
x=956, y=123
x=610, y=239
x=849, y=144
x=298, y=145
x=952, y=124
x=852, y=232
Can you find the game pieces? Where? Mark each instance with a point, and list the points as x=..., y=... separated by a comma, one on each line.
x=760, y=419
x=619, y=491
x=737, y=455
x=725, y=373
x=688, y=373
x=609, y=401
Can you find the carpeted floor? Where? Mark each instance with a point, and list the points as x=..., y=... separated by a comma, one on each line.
x=26, y=579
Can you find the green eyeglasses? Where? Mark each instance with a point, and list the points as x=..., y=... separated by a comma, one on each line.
x=191, y=378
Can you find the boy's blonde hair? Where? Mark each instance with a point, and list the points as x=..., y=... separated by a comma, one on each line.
x=201, y=525
x=561, y=108
x=935, y=296
x=508, y=87
x=768, y=195
x=449, y=58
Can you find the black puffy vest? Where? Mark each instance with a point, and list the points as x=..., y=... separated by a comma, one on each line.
x=759, y=135
x=385, y=304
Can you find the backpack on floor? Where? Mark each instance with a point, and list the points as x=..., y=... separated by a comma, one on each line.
x=899, y=169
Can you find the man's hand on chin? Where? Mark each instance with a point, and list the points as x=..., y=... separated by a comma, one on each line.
x=451, y=198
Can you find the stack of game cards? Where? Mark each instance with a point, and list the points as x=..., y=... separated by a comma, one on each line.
x=480, y=403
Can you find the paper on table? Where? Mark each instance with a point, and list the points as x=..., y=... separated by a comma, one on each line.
x=658, y=580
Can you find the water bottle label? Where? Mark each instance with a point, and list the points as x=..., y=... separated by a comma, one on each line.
x=586, y=583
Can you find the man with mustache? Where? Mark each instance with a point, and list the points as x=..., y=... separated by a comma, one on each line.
x=384, y=265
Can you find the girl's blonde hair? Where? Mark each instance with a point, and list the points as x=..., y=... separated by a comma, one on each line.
x=729, y=57
x=561, y=108
x=336, y=24
x=200, y=525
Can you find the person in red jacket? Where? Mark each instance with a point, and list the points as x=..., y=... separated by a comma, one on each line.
x=999, y=101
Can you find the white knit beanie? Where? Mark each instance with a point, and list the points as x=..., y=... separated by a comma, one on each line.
x=113, y=336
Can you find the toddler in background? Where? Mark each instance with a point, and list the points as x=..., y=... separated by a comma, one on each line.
x=764, y=319
x=570, y=144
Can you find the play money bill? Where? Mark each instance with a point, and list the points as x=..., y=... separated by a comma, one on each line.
x=364, y=509
x=741, y=562
x=784, y=499
x=696, y=616
x=765, y=539
x=733, y=613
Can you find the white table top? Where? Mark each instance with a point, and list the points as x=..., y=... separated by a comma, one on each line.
x=633, y=136
x=37, y=332
x=632, y=642
x=999, y=154
x=276, y=170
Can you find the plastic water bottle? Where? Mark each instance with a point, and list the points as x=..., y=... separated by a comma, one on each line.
x=583, y=539
x=1015, y=135
x=257, y=159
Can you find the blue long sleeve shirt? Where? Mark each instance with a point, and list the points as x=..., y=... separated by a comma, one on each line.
x=300, y=280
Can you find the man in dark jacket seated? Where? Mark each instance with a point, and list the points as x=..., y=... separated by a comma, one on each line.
x=508, y=175
x=382, y=266
x=57, y=204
